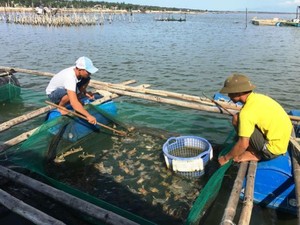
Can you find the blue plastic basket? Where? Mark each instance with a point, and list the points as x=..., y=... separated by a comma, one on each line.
x=187, y=155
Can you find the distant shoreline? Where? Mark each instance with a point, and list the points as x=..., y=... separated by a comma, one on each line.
x=95, y=10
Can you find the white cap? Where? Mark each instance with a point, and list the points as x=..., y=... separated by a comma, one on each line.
x=86, y=64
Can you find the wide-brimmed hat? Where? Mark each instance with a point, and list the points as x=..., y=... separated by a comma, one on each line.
x=237, y=83
x=86, y=64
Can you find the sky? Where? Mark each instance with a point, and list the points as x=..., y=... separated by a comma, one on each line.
x=223, y=5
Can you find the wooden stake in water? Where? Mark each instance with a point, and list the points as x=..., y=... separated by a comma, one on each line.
x=246, y=17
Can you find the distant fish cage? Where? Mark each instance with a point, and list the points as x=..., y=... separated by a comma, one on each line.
x=63, y=19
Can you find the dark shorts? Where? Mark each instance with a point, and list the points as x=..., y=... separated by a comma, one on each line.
x=57, y=95
x=259, y=144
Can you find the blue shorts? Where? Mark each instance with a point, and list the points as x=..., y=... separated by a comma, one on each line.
x=57, y=95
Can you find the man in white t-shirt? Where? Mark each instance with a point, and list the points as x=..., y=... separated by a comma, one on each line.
x=62, y=88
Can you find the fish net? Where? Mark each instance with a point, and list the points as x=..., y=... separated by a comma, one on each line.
x=124, y=174
x=54, y=150
x=210, y=191
x=9, y=88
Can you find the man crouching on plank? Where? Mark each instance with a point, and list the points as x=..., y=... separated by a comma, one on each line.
x=63, y=87
x=262, y=125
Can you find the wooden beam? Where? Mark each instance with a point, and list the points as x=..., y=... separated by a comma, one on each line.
x=232, y=203
x=34, y=72
x=186, y=104
x=248, y=197
x=296, y=170
x=19, y=207
x=71, y=201
x=16, y=140
x=8, y=124
x=106, y=85
x=145, y=90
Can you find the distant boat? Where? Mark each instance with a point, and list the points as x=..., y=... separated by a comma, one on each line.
x=293, y=23
x=267, y=22
x=279, y=22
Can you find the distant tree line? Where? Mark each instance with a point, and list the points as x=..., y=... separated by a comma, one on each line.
x=83, y=4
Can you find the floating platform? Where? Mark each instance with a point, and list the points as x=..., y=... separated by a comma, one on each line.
x=267, y=22
x=276, y=22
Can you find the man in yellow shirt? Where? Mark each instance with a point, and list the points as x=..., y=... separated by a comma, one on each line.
x=263, y=126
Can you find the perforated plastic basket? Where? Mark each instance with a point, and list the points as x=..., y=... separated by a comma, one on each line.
x=187, y=155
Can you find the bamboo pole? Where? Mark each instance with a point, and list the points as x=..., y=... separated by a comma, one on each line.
x=186, y=104
x=162, y=93
x=296, y=170
x=230, y=209
x=16, y=140
x=4, y=74
x=19, y=207
x=8, y=124
x=147, y=92
x=34, y=72
x=245, y=216
x=99, y=84
x=122, y=133
x=71, y=201
x=203, y=105
x=109, y=96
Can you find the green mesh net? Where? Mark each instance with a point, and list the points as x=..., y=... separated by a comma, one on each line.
x=210, y=191
x=124, y=174
x=58, y=140
x=9, y=91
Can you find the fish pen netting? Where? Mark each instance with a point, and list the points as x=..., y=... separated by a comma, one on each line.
x=123, y=172
x=51, y=141
x=211, y=189
x=8, y=91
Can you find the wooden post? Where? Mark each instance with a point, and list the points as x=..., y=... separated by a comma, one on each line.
x=67, y=199
x=248, y=197
x=34, y=215
x=232, y=203
x=296, y=170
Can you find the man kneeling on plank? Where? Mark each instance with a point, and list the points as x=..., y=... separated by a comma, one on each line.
x=66, y=86
x=262, y=125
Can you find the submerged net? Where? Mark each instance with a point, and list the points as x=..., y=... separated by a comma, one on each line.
x=58, y=140
x=210, y=191
x=123, y=174
x=9, y=88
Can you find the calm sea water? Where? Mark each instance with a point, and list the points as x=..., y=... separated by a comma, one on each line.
x=192, y=57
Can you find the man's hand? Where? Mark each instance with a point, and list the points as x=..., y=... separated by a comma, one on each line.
x=90, y=95
x=223, y=160
x=91, y=119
